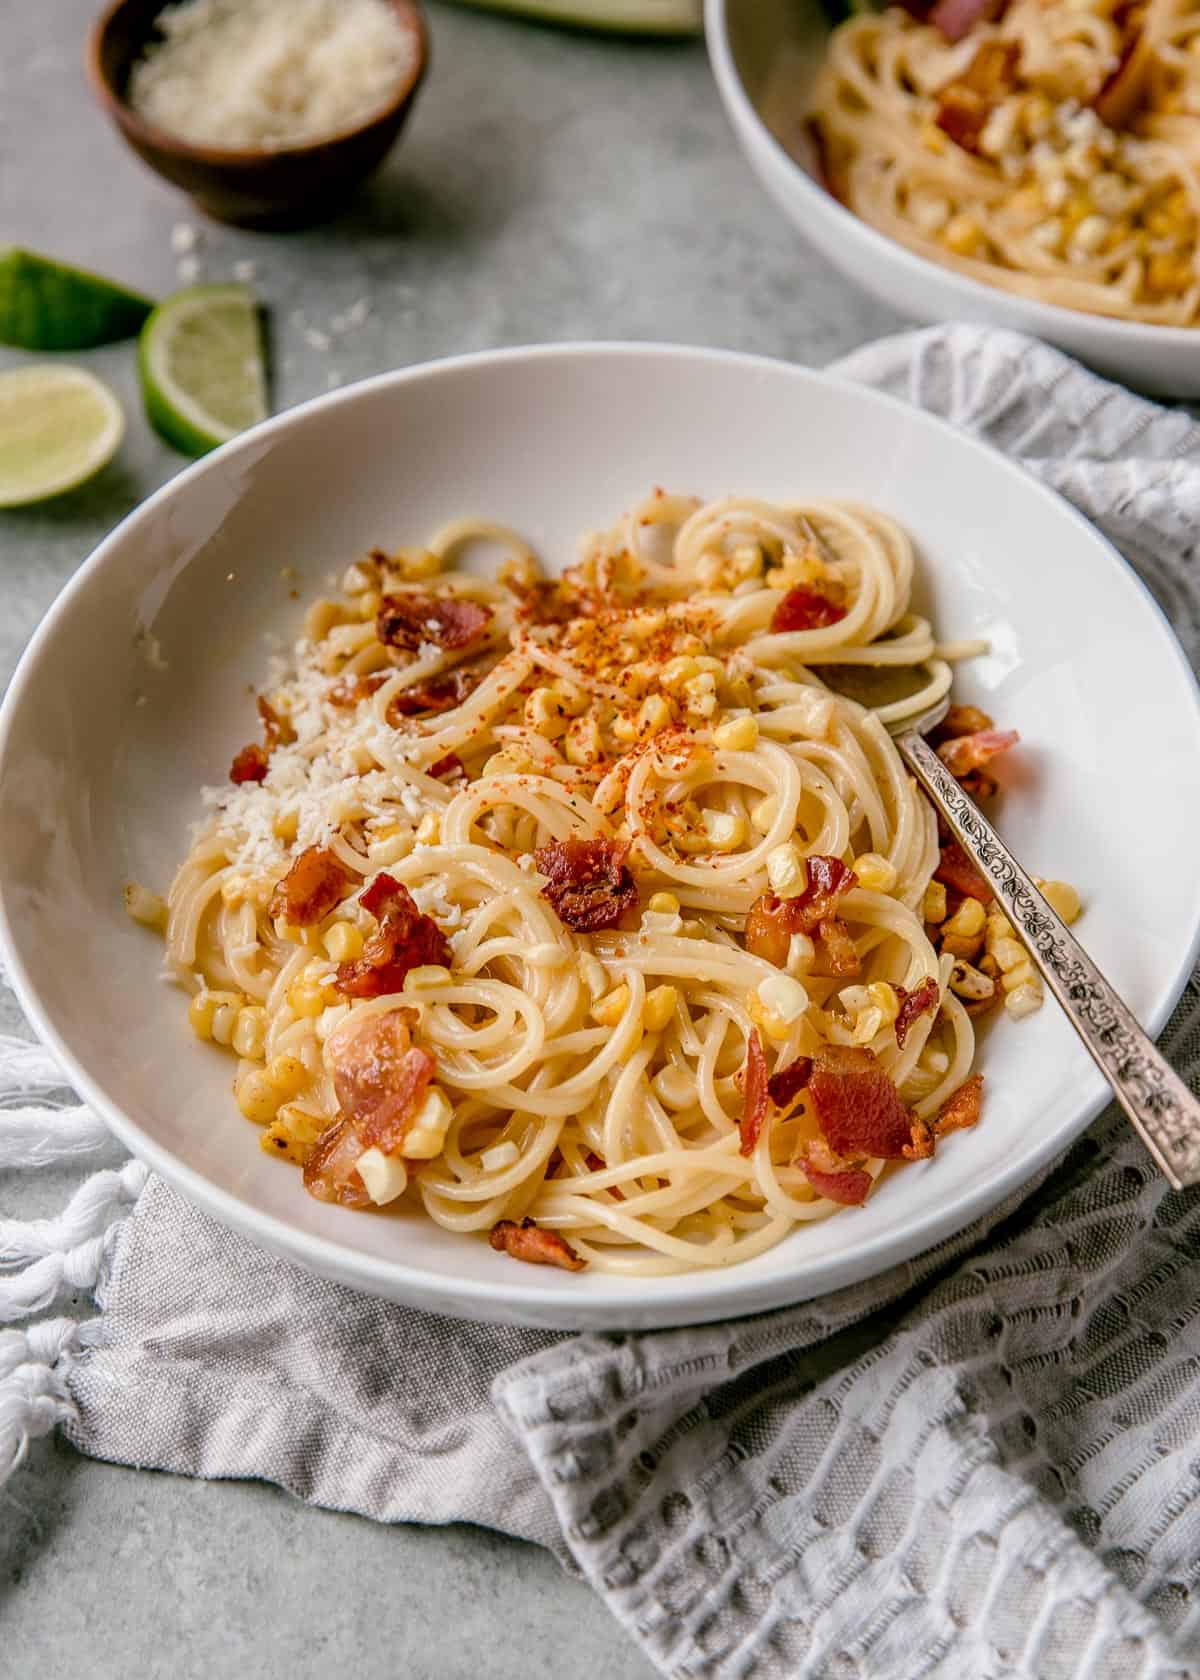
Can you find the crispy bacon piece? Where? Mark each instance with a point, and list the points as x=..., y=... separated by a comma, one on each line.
x=804, y=608
x=450, y=768
x=588, y=883
x=277, y=731
x=312, y=887
x=858, y=1108
x=406, y=939
x=348, y=691
x=249, y=765
x=959, y=720
x=527, y=1241
x=331, y=1171
x=437, y=694
x=956, y=870
x=840, y=952
x=754, y=1095
x=848, y=1185
x=380, y=1078
x=922, y=1000
x=786, y=1084
x=962, y=1108
x=965, y=104
x=772, y=921
x=1123, y=91
x=966, y=753
x=407, y=621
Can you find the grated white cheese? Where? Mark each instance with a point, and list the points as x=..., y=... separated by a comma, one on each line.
x=270, y=73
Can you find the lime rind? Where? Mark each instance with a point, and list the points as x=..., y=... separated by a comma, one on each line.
x=201, y=365
x=48, y=305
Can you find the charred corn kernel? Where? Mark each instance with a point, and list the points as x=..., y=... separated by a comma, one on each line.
x=802, y=954
x=306, y=999
x=883, y=997
x=659, y=1008
x=414, y=564
x=250, y=1032
x=427, y=1134
x=967, y=982
x=288, y=1075
x=610, y=1008
x=1062, y=898
x=583, y=745
x=764, y=814
x=724, y=830
x=429, y=974
x=145, y=906
x=203, y=1008
x=384, y=1176
x=321, y=617
x=866, y=1026
x=963, y=235
x=674, y=1086
x=875, y=873
x=343, y=942
x=1009, y=953
x=1024, y=1001
x=736, y=735
x=933, y=908
x=292, y=1133
x=256, y=1096
x=544, y=715
x=663, y=904
x=654, y=714
x=968, y=920
x=787, y=871
x=1022, y=974
x=677, y=671
x=500, y=1156
x=783, y=996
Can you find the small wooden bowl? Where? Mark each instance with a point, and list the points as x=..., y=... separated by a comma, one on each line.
x=255, y=187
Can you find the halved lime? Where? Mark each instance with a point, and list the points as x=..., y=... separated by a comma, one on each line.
x=203, y=375
x=58, y=426
x=48, y=305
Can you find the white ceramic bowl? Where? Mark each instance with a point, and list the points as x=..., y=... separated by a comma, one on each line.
x=103, y=748
x=764, y=54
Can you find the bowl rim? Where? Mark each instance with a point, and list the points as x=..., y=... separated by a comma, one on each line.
x=745, y=116
x=703, y=1296
x=148, y=134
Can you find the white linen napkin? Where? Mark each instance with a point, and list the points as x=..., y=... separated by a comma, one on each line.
x=982, y=1463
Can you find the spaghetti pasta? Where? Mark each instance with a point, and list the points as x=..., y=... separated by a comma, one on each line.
x=565, y=900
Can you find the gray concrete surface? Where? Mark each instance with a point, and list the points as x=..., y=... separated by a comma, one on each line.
x=551, y=186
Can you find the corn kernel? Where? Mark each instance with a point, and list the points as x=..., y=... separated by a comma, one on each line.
x=747, y=560
x=867, y=1025
x=1009, y=953
x=570, y=697
x=854, y=998
x=427, y=1135
x=659, y=1008
x=609, y=1009
x=384, y=1176
x=583, y=744
x=1090, y=235
x=286, y=826
x=736, y=735
x=764, y=813
x=802, y=954
x=1022, y=974
x=429, y=829
x=625, y=729
x=343, y=942
x=875, y=873
x=724, y=830
x=967, y=982
x=224, y=1021
x=306, y=1000
x=200, y=1013
x=1024, y=1001
x=883, y=998
x=963, y=235
x=663, y=904
x=292, y=1133
x=933, y=907
x=256, y=1096
x=786, y=871
x=288, y=1075
x=783, y=996
x=416, y=564
x=145, y=906
x=677, y=671
x=429, y=974
x=998, y=926
x=250, y=1032
x=654, y=714
x=710, y=571
x=544, y=715
x=968, y=920
x=1063, y=899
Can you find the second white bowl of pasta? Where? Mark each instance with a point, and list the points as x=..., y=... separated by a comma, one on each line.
x=558, y=895
x=1025, y=165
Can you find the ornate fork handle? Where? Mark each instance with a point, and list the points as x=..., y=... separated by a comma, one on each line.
x=1164, y=1112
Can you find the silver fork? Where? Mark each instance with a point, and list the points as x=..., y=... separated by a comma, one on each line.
x=1164, y=1112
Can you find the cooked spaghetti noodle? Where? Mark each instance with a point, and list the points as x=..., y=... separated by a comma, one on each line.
x=565, y=900
x=1054, y=153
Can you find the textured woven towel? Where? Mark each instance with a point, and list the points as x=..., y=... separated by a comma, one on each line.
x=984, y=1463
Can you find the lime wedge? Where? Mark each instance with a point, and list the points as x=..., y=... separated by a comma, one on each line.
x=201, y=362
x=58, y=426
x=47, y=305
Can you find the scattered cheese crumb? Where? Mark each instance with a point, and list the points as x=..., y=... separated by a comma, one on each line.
x=245, y=271
x=318, y=340
x=188, y=269
x=183, y=237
